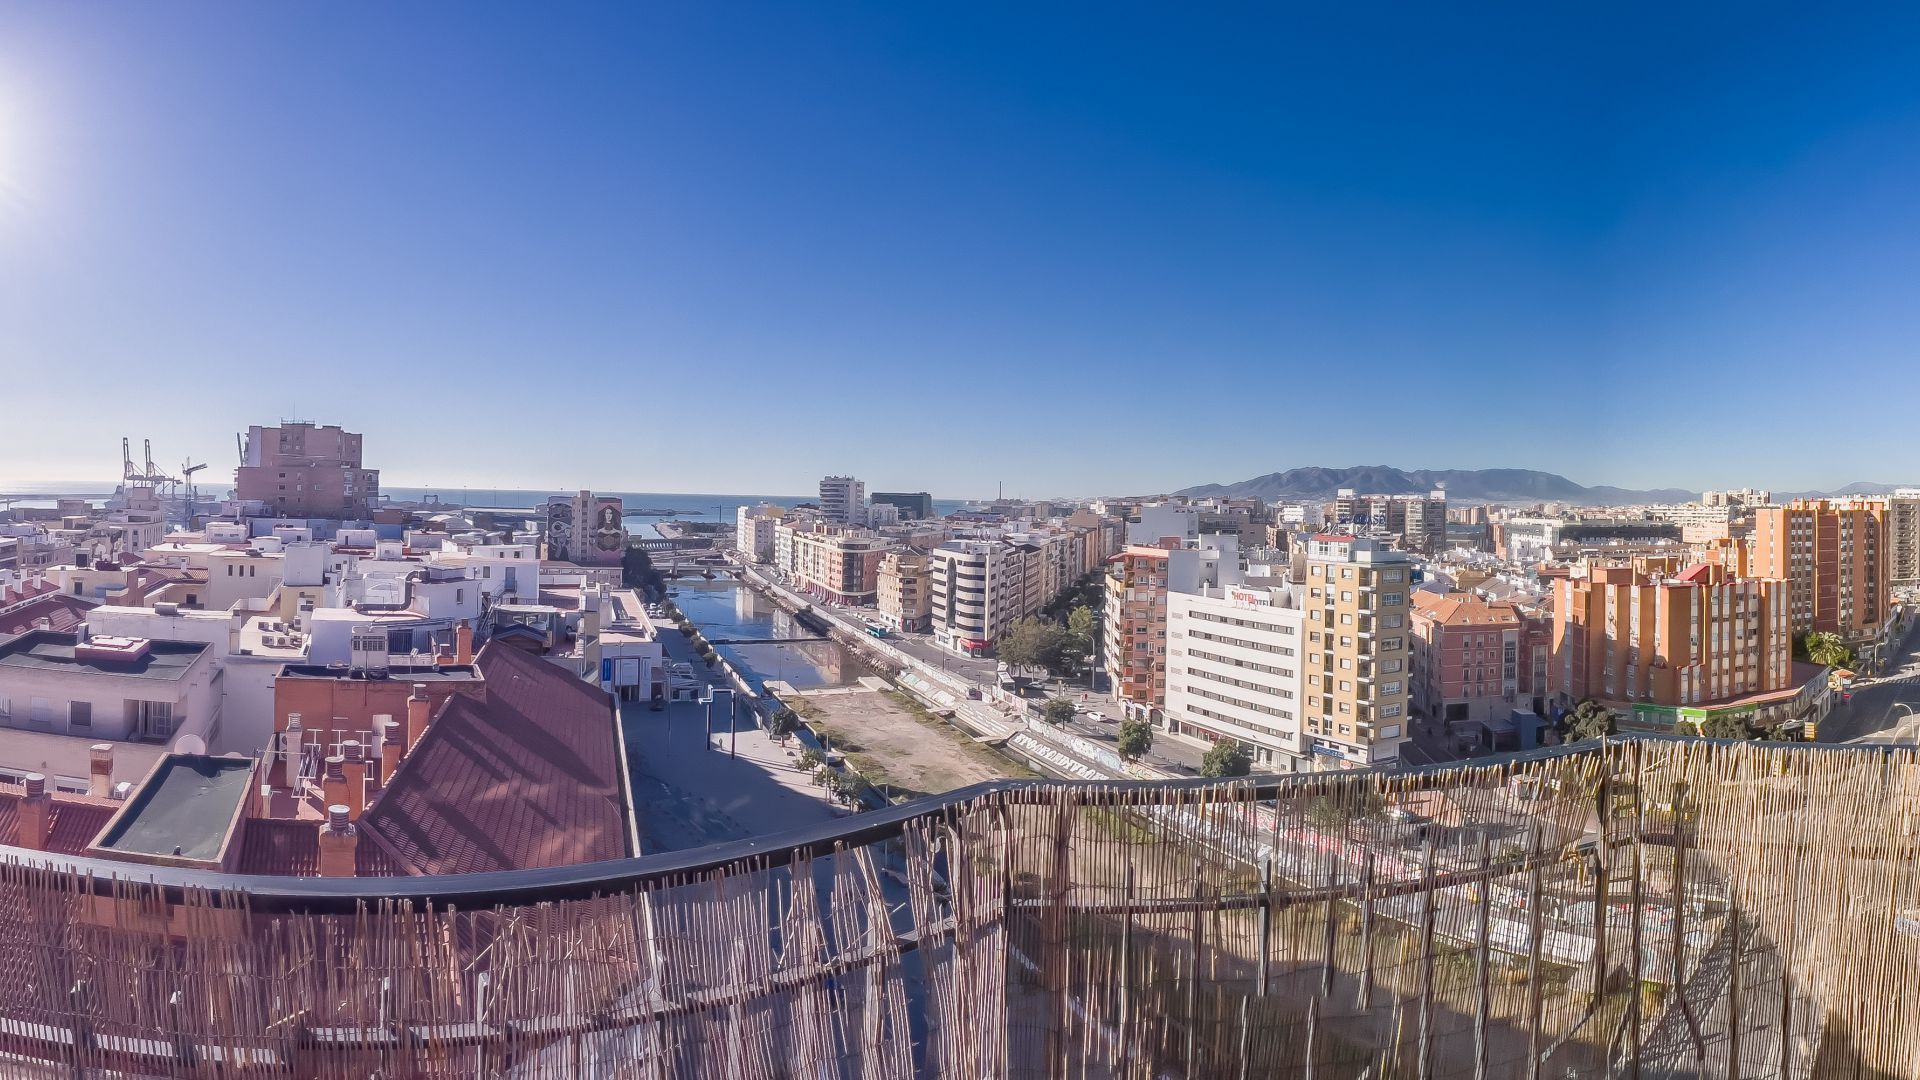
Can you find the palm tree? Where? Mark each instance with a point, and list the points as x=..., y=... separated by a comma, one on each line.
x=1827, y=650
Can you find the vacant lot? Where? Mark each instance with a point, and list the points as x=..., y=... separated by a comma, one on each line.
x=893, y=741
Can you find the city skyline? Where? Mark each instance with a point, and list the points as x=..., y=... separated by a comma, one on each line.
x=711, y=226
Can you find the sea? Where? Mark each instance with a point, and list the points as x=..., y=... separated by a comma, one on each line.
x=636, y=503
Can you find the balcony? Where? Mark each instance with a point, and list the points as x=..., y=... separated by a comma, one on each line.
x=677, y=964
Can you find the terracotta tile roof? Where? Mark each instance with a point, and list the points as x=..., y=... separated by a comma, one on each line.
x=62, y=611
x=77, y=819
x=291, y=848
x=1462, y=609
x=527, y=777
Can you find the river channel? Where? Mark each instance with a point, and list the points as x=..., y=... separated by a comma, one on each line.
x=727, y=610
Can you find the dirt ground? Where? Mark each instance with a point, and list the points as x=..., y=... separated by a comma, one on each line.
x=891, y=740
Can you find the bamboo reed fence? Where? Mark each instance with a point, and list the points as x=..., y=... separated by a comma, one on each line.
x=1636, y=908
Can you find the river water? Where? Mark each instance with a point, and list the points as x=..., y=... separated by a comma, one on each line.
x=724, y=609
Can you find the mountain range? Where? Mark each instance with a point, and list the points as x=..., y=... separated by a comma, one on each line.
x=1469, y=485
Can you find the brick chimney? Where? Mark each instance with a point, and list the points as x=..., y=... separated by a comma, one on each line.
x=338, y=839
x=393, y=744
x=463, y=643
x=333, y=783
x=418, y=711
x=355, y=767
x=34, y=820
x=100, y=770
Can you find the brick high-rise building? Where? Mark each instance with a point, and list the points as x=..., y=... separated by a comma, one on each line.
x=1645, y=638
x=1356, y=662
x=301, y=470
x=1834, y=556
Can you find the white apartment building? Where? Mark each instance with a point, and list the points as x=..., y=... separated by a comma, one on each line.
x=753, y=528
x=60, y=694
x=843, y=500
x=978, y=589
x=1234, y=657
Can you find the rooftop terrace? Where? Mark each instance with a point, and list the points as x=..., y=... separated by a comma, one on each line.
x=50, y=650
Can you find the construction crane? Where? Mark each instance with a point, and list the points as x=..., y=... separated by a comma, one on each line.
x=133, y=474
x=187, y=470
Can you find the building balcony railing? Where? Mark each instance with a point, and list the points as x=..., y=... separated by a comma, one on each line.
x=1003, y=929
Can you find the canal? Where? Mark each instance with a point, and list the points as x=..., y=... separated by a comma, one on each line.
x=725, y=609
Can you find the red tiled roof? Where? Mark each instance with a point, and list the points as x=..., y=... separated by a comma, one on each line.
x=63, y=612
x=528, y=777
x=291, y=848
x=77, y=819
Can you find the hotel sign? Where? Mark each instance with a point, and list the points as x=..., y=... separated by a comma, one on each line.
x=1249, y=598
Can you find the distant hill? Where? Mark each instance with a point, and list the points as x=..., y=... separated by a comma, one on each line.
x=1463, y=485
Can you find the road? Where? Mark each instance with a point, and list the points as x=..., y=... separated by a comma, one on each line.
x=1881, y=709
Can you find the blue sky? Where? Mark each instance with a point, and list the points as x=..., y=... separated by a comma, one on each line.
x=731, y=247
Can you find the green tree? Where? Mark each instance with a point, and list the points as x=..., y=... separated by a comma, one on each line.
x=1134, y=738
x=1725, y=726
x=783, y=724
x=1226, y=758
x=1032, y=643
x=1589, y=720
x=1826, y=650
x=808, y=760
x=1058, y=711
x=1080, y=625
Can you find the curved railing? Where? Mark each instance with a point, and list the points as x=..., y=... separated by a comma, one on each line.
x=1485, y=919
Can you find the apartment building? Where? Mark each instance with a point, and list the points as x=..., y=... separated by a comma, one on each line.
x=1414, y=522
x=843, y=500
x=905, y=589
x=976, y=593
x=913, y=505
x=1736, y=497
x=302, y=470
x=1356, y=662
x=1233, y=666
x=1903, y=538
x=1466, y=656
x=1647, y=638
x=753, y=531
x=1834, y=556
x=62, y=693
x=836, y=563
x=1135, y=627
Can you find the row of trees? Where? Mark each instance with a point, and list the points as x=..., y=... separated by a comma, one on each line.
x=1592, y=720
x=1059, y=649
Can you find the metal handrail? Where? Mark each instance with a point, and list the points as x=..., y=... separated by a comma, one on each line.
x=317, y=895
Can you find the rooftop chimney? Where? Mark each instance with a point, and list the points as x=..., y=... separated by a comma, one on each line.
x=355, y=767
x=100, y=770
x=417, y=712
x=292, y=747
x=33, y=822
x=463, y=643
x=333, y=785
x=338, y=839
x=377, y=749
x=393, y=744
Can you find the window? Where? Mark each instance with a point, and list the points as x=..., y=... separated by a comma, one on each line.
x=80, y=714
x=152, y=720
x=1346, y=596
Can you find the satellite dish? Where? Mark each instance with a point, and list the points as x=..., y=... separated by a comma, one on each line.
x=190, y=744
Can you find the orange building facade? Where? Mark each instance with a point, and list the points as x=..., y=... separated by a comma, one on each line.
x=1645, y=633
x=1834, y=555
